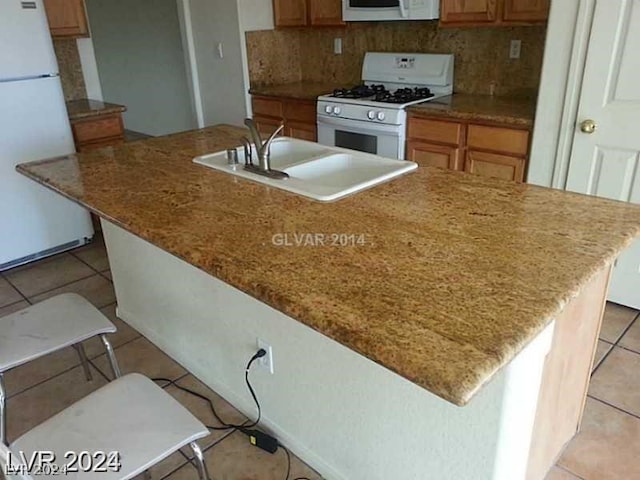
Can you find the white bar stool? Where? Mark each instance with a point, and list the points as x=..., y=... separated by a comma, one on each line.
x=51, y=325
x=130, y=415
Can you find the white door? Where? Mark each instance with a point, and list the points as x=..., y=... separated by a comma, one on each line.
x=606, y=161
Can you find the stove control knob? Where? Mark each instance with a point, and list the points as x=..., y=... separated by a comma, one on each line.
x=337, y=110
x=380, y=116
x=328, y=109
x=371, y=115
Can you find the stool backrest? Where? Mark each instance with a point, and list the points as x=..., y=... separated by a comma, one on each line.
x=12, y=467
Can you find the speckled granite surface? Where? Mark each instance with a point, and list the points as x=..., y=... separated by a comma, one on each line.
x=516, y=111
x=84, y=108
x=297, y=90
x=70, y=67
x=456, y=275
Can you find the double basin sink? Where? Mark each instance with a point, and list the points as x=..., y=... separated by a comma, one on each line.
x=315, y=171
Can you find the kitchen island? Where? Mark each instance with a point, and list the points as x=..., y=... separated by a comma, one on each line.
x=415, y=348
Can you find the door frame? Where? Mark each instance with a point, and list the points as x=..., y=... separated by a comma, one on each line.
x=188, y=46
x=568, y=31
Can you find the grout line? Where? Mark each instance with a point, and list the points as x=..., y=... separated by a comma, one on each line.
x=626, y=330
x=628, y=349
x=561, y=467
x=46, y=379
x=55, y=288
x=24, y=297
x=13, y=303
x=613, y=406
x=182, y=465
x=604, y=357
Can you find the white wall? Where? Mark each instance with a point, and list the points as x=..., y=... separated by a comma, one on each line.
x=139, y=53
x=559, y=87
x=346, y=416
x=221, y=80
x=89, y=68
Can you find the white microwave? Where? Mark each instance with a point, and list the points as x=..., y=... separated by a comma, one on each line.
x=382, y=10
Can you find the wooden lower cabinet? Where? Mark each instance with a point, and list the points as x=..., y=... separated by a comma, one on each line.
x=298, y=116
x=432, y=155
x=97, y=131
x=494, y=165
x=489, y=150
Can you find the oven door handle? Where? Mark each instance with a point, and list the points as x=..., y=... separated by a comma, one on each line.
x=366, y=128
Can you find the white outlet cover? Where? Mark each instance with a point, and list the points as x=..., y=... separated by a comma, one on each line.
x=266, y=362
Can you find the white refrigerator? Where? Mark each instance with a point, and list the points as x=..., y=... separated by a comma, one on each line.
x=34, y=221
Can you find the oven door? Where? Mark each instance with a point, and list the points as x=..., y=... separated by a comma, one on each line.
x=375, y=138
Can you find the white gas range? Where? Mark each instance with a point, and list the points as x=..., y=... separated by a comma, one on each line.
x=371, y=117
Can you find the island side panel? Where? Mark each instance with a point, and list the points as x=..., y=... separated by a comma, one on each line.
x=566, y=375
x=346, y=416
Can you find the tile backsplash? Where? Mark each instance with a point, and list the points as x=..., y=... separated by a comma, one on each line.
x=482, y=54
x=70, y=69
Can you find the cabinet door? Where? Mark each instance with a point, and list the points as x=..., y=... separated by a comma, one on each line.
x=303, y=131
x=67, y=18
x=431, y=155
x=493, y=165
x=290, y=13
x=267, y=125
x=468, y=11
x=526, y=10
x=325, y=12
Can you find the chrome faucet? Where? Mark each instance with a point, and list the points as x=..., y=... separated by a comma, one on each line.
x=263, y=151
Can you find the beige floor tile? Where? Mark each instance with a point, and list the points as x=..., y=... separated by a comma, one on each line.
x=602, y=350
x=165, y=467
x=234, y=458
x=12, y=308
x=36, y=371
x=560, y=474
x=202, y=411
x=125, y=333
x=97, y=289
x=631, y=339
x=48, y=274
x=617, y=380
x=35, y=405
x=107, y=274
x=607, y=446
x=94, y=254
x=616, y=319
x=8, y=294
x=144, y=357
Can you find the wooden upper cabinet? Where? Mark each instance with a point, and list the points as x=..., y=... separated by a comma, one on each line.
x=290, y=13
x=67, y=18
x=325, y=12
x=301, y=13
x=468, y=11
x=525, y=10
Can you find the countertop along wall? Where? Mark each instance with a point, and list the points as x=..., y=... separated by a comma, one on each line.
x=482, y=67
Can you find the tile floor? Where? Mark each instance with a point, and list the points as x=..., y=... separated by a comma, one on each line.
x=607, y=448
x=42, y=388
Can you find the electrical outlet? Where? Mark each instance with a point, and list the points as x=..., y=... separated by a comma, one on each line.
x=514, y=50
x=337, y=46
x=266, y=362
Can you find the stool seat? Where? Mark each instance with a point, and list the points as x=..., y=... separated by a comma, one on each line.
x=48, y=326
x=130, y=415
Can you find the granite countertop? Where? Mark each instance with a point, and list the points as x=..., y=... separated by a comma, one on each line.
x=457, y=273
x=84, y=108
x=516, y=111
x=297, y=91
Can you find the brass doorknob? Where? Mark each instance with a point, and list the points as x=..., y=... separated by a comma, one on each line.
x=588, y=126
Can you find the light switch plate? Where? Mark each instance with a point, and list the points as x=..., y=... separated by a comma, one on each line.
x=514, y=50
x=337, y=46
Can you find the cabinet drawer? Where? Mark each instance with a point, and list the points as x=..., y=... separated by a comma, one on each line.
x=435, y=131
x=267, y=107
x=96, y=129
x=300, y=111
x=507, y=140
